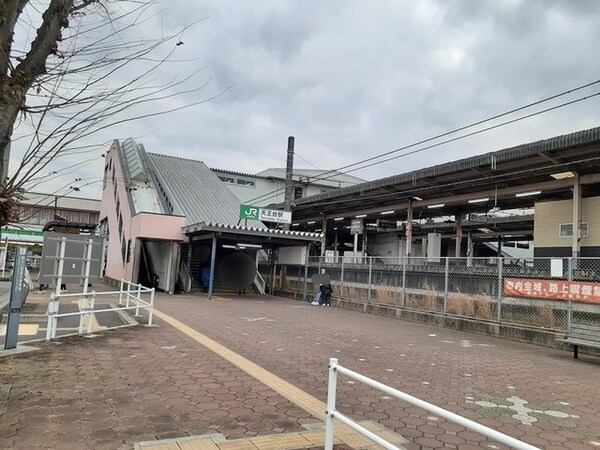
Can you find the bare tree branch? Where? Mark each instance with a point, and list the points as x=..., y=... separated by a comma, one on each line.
x=87, y=70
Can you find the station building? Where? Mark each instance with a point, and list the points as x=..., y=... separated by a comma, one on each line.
x=173, y=224
x=268, y=186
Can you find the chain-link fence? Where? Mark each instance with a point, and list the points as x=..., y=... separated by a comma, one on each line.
x=545, y=293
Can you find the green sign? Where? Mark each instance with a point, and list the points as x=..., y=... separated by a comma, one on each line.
x=249, y=212
x=266, y=215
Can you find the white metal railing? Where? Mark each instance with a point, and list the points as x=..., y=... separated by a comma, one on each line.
x=130, y=294
x=332, y=413
x=260, y=283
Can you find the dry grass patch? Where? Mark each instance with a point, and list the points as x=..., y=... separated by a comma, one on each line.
x=386, y=295
x=546, y=316
x=470, y=305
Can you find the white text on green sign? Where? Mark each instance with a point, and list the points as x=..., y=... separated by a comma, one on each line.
x=266, y=215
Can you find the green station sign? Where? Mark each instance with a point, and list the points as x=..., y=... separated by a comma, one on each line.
x=249, y=212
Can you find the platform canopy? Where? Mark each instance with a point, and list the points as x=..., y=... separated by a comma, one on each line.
x=512, y=178
x=239, y=234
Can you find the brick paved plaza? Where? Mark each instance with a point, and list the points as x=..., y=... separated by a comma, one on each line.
x=142, y=384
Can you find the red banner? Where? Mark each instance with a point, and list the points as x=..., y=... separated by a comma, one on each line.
x=579, y=291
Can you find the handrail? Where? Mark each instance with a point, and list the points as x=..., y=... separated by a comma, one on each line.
x=260, y=282
x=132, y=293
x=332, y=413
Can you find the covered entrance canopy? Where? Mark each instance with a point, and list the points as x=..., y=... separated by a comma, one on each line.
x=244, y=237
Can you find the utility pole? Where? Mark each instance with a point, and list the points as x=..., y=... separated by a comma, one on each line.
x=287, y=204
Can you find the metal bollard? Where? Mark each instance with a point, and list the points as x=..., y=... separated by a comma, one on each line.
x=121, y=292
x=91, y=313
x=137, y=300
x=331, y=395
x=151, y=311
x=50, y=323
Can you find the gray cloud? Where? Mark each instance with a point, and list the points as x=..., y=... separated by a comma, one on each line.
x=351, y=79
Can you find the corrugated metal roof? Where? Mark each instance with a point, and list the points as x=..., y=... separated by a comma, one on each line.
x=233, y=172
x=518, y=152
x=304, y=235
x=196, y=191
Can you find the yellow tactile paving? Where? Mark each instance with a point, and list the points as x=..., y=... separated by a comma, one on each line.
x=241, y=444
x=85, y=303
x=289, y=441
x=295, y=395
x=26, y=329
x=200, y=444
x=316, y=438
x=165, y=446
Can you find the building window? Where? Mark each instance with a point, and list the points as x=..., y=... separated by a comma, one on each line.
x=105, y=176
x=243, y=182
x=566, y=230
x=225, y=179
x=128, y=258
x=123, y=250
x=298, y=192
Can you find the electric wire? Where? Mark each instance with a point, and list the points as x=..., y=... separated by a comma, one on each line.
x=341, y=170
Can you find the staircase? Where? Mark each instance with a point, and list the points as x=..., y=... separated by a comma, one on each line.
x=193, y=279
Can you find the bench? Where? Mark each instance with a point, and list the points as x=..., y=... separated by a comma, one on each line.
x=586, y=334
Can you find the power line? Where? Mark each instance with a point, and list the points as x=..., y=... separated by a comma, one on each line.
x=336, y=172
x=306, y=160
x=508, y=122
x=497, y=116
x=489, y=178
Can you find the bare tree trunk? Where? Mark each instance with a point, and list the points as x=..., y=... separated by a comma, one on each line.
x=55, y=94
x=14, y=84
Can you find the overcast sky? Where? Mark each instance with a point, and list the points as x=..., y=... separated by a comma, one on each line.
x=352, y=79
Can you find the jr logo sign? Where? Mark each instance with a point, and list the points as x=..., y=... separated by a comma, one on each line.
x=249, y=212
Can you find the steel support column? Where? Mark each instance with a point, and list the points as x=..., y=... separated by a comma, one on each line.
x=469, y=249
x=458, y=236
x=213, y=257
x=306, y=259
x=324, y=238
x=409, y=219
x=576, y=218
